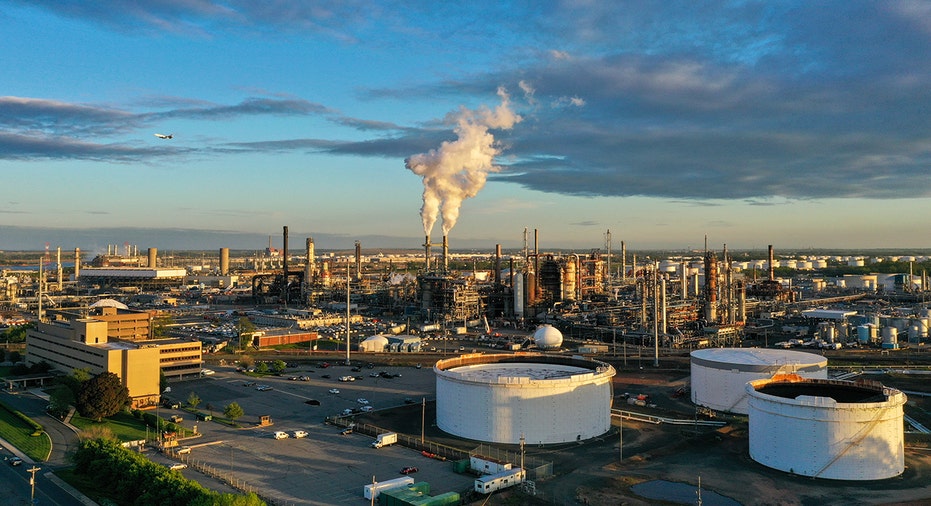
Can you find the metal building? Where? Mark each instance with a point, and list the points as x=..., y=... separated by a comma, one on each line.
x=545, y=398
x=830, y=429
x=720, y=375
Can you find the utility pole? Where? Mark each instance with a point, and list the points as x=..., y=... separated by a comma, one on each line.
x=423, y=418
x=32, y=482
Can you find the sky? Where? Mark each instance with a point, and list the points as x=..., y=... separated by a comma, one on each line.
x=798, y=124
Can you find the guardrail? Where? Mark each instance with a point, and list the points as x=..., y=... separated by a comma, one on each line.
x=642, y=417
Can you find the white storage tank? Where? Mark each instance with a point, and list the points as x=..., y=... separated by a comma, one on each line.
x=720, y=375
x=831, y=429
x=547, y=398
x=547, y=337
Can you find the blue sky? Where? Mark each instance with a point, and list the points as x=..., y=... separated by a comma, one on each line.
x=798, y=124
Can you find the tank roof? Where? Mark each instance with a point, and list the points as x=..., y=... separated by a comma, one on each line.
x=714, y=357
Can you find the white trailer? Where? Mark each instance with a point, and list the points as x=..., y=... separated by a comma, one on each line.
x=385, y=439
x=492, y=482
x=372, y=490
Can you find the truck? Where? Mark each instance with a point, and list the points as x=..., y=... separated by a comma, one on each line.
x=385, y=439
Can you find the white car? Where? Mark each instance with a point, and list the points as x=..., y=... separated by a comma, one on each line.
x=281, y=435
x=334, y=390
x=367, y=409
x=361, y=400
x=300, y=433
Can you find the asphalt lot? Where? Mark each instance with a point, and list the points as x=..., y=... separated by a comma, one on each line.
x=325, y=468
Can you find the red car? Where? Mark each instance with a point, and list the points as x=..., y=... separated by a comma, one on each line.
x=408, y=470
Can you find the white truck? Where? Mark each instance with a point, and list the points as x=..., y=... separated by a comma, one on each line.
x=388, y=438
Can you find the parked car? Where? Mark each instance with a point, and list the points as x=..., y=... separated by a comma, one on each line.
x=183, y=450
x=300, y=433
x=280, y=435
x=334, y=390
x=249, y=384
x=362, y=400
x=176, y=418
x=263, y=388
x=325, y=376
x=15, y=461
x=367, y=409
x=346, y=431
x=409, y=470
x=178, y=465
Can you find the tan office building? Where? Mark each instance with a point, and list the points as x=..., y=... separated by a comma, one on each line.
x=83, y=343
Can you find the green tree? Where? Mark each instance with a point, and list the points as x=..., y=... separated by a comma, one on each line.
x=193, y=400
x=74, y=380
x=102, y=396
x=279, y=366
x=160, y=326
x=261, y=368
x=14, y=356
x=162, y=380
x=61, y=399
x=244, y=329
x=233, y=411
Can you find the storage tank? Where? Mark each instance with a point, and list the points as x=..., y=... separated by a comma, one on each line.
x=547, y=337
x=831, y=429
x=547, y=398
x=719, y=375
x=890, y=338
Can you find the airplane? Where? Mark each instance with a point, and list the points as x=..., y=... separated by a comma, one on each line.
x=163, y=136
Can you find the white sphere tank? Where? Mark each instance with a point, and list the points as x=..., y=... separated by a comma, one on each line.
x=546, y=398
x=547, y=337
x=830, y=429
x=720, y=375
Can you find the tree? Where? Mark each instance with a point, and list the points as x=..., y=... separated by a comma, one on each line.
x=14, y=356
x=74, y=380
x=161, y=325
x=233, y=411
x=261, y=368
x=279, y=366
x=162, y=380
x=244, y=329
x=102, y=396
x=61, y=399
x=193, y=400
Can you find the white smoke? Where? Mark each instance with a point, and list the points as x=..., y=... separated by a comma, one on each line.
x=458, y=169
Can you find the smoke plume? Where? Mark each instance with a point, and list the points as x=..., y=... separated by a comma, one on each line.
x=458, y=169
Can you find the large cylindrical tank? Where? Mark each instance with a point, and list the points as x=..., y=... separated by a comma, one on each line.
x=224, y=261
x=153, y=256
x=546, y=398
x=829, y=429
x=890, y=337
x=719, y=375
x=569, y=276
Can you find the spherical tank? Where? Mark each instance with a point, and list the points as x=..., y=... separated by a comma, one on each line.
x=719, y=375
x=546, y=398
x=547, y=337
x=830, y=429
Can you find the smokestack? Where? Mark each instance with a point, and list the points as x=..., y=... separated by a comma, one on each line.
x=685, y=281
x=536, y=265
x=623, y=261
x=77, y=263
x=224, y=261
x=426, y=254
x=58, y=260
x=284, y=265
x=358, y=260
x=772, y=267
x=711, y=287
x=497, y=264
x=153, y=257
x=741, y=302
x=309, y=266
x=445, y=254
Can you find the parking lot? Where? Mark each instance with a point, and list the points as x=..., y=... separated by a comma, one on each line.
x=324, y=467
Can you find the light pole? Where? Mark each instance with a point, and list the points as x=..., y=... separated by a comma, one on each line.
x=32, y=483
x=423, y=417
x=347, y=314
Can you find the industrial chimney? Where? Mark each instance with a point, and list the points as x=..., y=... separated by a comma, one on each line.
x=153, y=257
x=309, y=266
x=77, y=263
x=772, y=267
x=445, y=254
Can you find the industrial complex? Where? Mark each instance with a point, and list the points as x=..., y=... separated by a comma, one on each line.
x=521, y=366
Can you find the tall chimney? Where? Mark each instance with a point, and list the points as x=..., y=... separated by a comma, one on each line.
x=623, y=261
x=224, y=261
x=497, y=264
x=309, y=266
x=58, y=260
x=772, y=267
x=77, y=263
x=284, y=265
x=153, y=257
x=536, y=266
x=426, y=253
x=445, y=254
x=358, y=260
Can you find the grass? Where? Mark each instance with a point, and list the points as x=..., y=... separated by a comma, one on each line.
x=19, y=434
x=124, y=426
